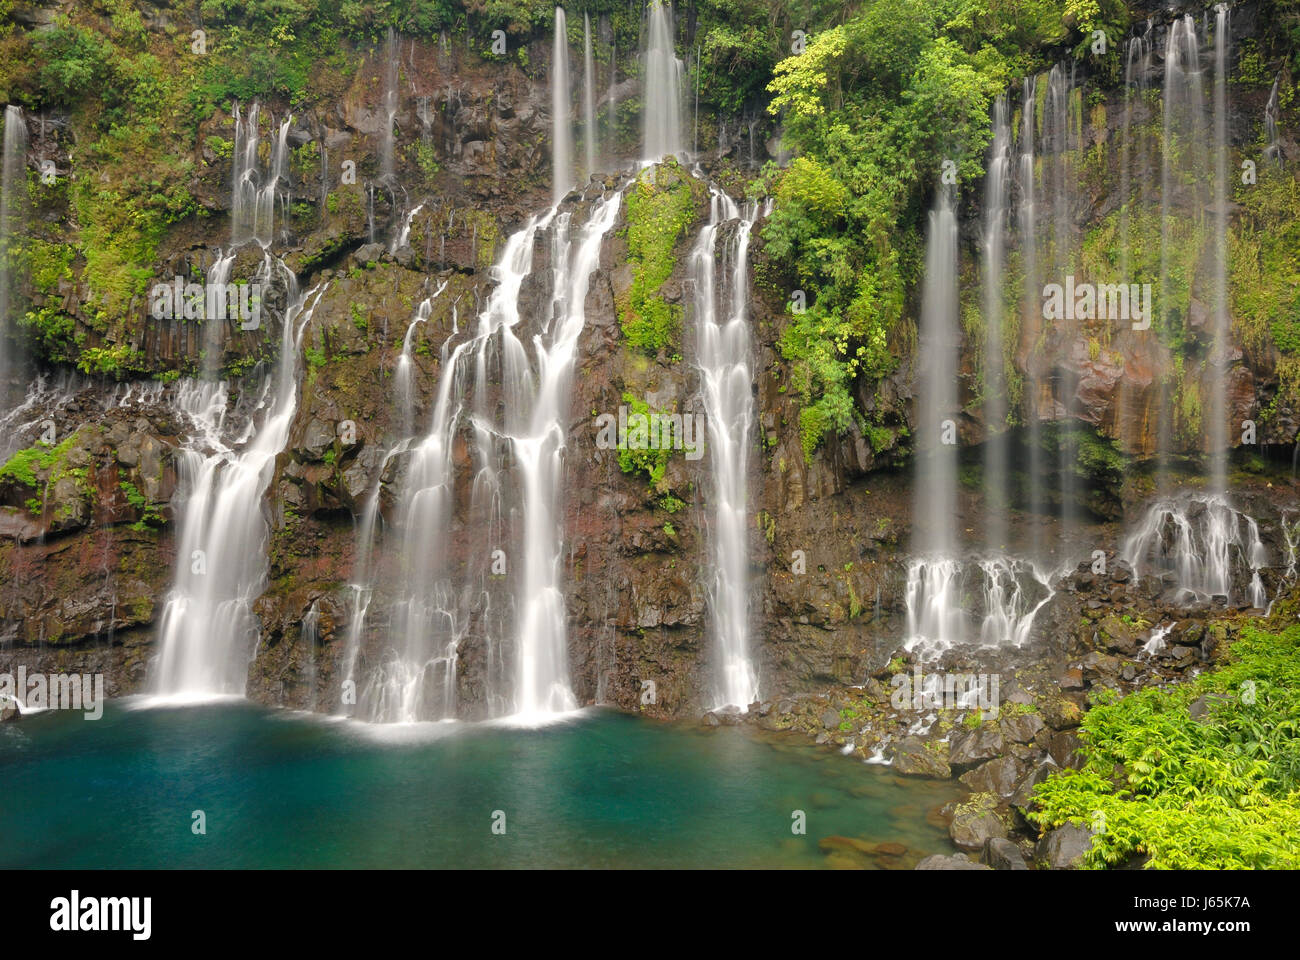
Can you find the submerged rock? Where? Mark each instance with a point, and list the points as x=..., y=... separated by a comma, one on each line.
x=958, y=861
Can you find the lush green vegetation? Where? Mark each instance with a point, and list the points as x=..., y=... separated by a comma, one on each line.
x=650, y=460
x=874, y=108
x=660, y=208
x=25, y=465
x=1219, y=790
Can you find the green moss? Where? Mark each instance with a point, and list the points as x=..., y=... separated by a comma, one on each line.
x=660, y=208
x=24, y=465
x=48, y=263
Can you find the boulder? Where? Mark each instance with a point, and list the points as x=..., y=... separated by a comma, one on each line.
x=1020, y=727
x=1023, y=797
x=973, y=748
x=1060, y=713
x=975, y=821
x=998, y=777
x=914, y=758
x=1001, y=854
x=1064, y=847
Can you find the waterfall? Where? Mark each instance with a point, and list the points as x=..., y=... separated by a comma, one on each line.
x=996, y=460
x=1032, y=315
x=13, y=195
x=561, y=129
x=1157, y=642
x=934, y=611
x=940, y=613
x=403, y=375
x=611, y=101
x=1218, y=359
x=542, y=674
x=661, y=92
x=362, y=585
x=387, y=175
x=514, y=416
x=1273, y=151
x=588, y=97
x=310, y=639
x=252, y=202
x=1137, y=62
x=1210, y=548
x=1059, y=181
x=936, y=425
x=208, y=628
x=727, y=377
x=1182, y=139
x=935, y=618
x=1014, y=592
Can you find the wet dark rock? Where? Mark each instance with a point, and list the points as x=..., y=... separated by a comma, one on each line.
x=1023, y=797
x=998, y=777
x=1060, y=713
x=1064, y=747
x=1019, y=726
x=975, y=821
x=1064, y=847
x=913, y=757
x=1002, y=854
x=975, y=746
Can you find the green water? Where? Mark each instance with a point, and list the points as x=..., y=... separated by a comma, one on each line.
x=281, y=789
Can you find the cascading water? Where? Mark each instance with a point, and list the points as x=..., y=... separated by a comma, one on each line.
x=13, y=192
x=252, y=209
x=1273, y=149
x=588, y=97
x=1210, y=548
x=561, y=127
x=727, y=377
x=404, y=374
x=1134, y=151
x=996, y=452
x=1137, y=53
x=208, y=628
x=661, y=94
x=1182, y=138
x=1218, y=360
x=542, y=675
x=1014, y=592
x=391, y=69
x=1059, y=119
x=933, y=603
x=524, y=427
x=1011, y=593
x=1032, y=313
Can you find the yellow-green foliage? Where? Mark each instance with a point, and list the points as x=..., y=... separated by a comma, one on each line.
x=1221, y=792
x=1264, y=258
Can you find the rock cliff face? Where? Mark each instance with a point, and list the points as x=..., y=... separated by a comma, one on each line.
x=87, y=528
